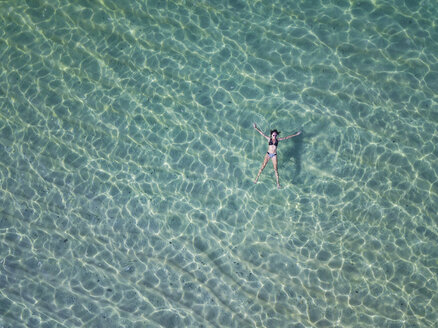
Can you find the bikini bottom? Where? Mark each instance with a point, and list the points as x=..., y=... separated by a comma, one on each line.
x=271, y=155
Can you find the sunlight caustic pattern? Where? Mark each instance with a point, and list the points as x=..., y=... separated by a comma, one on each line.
x=127, y=157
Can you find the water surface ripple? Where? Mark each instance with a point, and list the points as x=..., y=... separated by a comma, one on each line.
x=127, y=160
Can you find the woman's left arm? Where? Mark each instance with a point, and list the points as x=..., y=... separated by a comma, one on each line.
x=291, y=136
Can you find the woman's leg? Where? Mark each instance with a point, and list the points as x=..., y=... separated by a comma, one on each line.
x=274, y=161
x=263, y=166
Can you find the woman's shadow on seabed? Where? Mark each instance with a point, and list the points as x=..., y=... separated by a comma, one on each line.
x=295, y=153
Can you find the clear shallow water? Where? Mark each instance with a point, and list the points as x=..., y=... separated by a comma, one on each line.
x=127, y=157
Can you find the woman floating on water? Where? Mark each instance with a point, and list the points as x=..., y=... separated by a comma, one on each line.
x=272, y=150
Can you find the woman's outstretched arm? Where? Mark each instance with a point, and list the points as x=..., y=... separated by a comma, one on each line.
x=291, y=136
x=258, y=130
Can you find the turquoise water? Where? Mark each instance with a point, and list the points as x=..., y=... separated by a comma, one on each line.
x=127, y=160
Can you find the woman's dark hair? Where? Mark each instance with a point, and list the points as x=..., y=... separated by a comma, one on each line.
x=272, y=131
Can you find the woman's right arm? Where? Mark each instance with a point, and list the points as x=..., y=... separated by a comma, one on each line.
x=258, y=130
